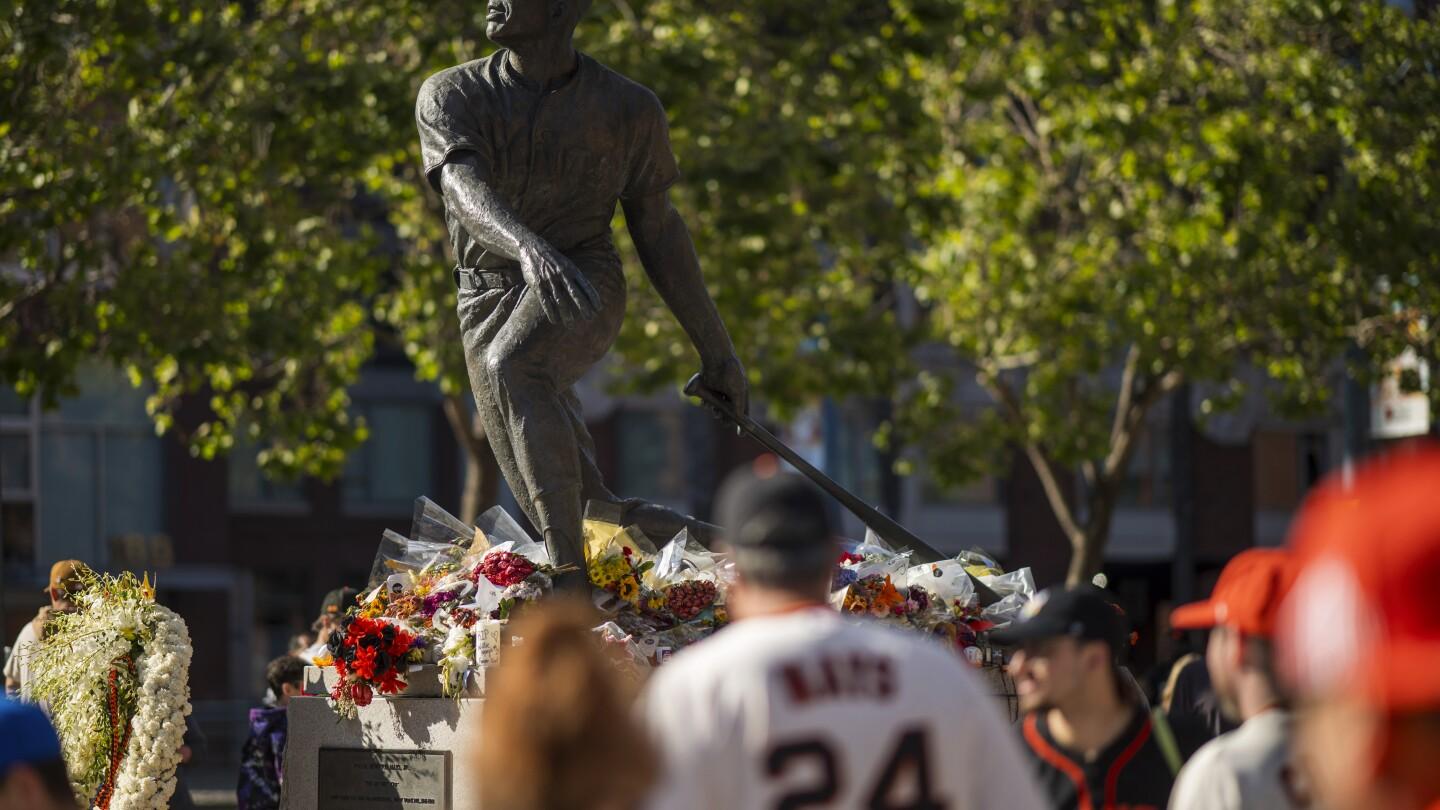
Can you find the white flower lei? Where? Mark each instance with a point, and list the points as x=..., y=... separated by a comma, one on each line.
x=147, y=773
x=73, y=666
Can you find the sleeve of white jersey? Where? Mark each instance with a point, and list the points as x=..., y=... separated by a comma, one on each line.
x=1005, y=778
x=697, y=740
x=19, y=651
x=1206, y=782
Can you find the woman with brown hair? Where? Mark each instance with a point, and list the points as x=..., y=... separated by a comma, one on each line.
x=557, y=731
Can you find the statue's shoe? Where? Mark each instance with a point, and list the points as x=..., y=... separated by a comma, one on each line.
x=659, y=523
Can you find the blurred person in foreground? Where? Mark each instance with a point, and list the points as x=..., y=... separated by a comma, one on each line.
x=1358, y=636
x=1250, y=767
x=262, y=757
x=559, y=729
x=32, y=772
x=1191, y=707
x=798, y=705
x=1086, y=728
x=65, y=581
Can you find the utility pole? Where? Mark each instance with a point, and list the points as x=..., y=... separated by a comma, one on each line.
x=1356, y=415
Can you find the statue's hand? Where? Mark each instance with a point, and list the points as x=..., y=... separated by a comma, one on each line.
x=565, y=294
x=727, y=378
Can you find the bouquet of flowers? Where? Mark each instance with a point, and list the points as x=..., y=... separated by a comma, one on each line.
x=370, y=655
x=506, y=578
x=620, y=567
x=687, y=583
x=115, y=674
x=870, y=579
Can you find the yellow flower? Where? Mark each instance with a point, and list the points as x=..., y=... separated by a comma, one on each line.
x=324, y=660
x=629, y=589
x=655, y=602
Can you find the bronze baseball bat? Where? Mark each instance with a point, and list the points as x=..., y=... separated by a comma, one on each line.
x=882, y=524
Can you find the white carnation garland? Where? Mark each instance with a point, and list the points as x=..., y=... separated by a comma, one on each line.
x=119, y=645
x=147, y=773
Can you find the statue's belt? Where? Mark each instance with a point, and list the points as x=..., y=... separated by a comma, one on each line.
x=491, y=278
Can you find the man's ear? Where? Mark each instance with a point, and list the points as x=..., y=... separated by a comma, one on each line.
x=291, y=690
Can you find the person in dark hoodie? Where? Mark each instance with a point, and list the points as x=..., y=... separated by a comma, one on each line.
x=262, y=758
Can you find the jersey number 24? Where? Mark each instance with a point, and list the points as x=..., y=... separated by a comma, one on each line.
x=908, y=765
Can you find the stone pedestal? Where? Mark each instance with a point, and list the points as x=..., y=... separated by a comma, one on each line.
x=399, y=753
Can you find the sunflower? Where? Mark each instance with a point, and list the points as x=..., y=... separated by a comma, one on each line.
x=629, y=588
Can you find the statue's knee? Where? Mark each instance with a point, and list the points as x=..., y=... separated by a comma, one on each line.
x=498, y=367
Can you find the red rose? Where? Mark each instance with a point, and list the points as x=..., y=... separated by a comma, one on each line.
x=361, y=694
x=505, y=568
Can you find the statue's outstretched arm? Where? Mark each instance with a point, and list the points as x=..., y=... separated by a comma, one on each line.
x=668, y=255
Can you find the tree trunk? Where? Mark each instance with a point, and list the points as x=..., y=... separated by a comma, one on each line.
x=1087, y=555
x=481, y=488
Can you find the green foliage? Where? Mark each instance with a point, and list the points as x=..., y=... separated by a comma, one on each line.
x=225, y=199
x=180, y=186
x=1172, y=189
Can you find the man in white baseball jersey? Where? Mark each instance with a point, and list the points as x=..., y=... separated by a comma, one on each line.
x=797, y=706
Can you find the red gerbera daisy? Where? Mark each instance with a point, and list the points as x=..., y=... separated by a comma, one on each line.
x=391, y=682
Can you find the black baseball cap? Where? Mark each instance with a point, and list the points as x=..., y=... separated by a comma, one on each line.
x=1083, y=613
x=337, y=601
x=775, y=523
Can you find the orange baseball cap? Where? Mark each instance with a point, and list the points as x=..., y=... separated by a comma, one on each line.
x=1246, y=597
x=65, y=576
x=1363, y=616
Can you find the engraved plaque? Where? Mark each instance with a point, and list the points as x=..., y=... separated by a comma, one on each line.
x=357, y=778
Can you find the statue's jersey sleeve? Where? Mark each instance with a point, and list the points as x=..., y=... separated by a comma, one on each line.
x=652, y=168
x=449, y=124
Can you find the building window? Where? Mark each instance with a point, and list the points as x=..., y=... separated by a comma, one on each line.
x=1147, y=482
x=1286, y=465
x=651, y=444
x=75, y=478
x=251, y=490
x=982, y=491
x=17, y=479
x=396, y=465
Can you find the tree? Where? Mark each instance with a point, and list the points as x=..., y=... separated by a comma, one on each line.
x=178, y=202
x=1125, y=198
x=226, y=201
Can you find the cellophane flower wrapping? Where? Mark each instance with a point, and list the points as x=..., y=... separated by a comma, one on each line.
x=438, y=588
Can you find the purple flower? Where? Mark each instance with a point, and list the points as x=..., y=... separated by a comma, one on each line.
x=435, y=600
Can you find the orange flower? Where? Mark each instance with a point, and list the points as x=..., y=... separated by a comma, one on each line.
x=889, y=596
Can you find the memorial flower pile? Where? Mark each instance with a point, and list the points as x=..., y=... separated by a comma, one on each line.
x=434, y=596
x=115, y=674
x=436, y=587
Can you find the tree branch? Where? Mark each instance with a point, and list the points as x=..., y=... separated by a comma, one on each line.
x=1127, y=390
x=459, y=418
x=1044, y=468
